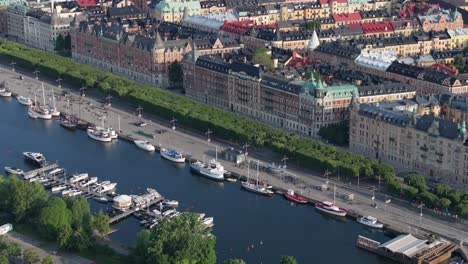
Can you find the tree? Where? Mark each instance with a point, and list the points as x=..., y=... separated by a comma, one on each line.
x=410, y=192
x=288, y=260
x=417, y=181
x=462, y=209
x=183, y=239
x=14, y=250
x=336, y=133
x=442, y=190
x=30, y=256
x=140, y=251
x=48, y=260
x=54, y=217
x=313, y=25
x=176, y=74
x=100, y=222
x=234, y=261
x=59, y=44
x=444, y=203
x=262, y=56
x=429, y=199
x=67, y=43
x=3, y=259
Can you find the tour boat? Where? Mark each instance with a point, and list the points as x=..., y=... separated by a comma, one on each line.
x=35, y=158
x=172, y=155
x=213, y=170
x=370, y=221
x=143, y=144
x=289, y=195
x=89, y=181
x=78, y=177
x=110, y=131
x=99, y=135
x=171, y=203
x=24, y=100
x=255, y=187
x=330, y=208
x=58, y=188
x=68, y=123
x=13, y=170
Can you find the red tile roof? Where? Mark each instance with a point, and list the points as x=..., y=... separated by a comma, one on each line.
x=381, y=27
x=86, y=3
x=326, y=2
x=445, y=69
x=347, y=17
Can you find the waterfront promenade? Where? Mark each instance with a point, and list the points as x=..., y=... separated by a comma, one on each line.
x=403, y=218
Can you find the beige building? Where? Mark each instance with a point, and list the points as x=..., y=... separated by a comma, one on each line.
x=393, y=133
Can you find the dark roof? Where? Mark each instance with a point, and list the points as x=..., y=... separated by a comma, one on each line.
x=250, y=70
x=388, y=116
x=281, y=84
x=125, y=11
x=384, y=88
x=446, y=128
x=216, y=65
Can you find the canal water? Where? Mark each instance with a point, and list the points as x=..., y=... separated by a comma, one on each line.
x=256, y=229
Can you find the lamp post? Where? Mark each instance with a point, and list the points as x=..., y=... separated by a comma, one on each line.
x=59, y=80
x=326, y=175
x=173, y=121
x=421, y=213
x=208, y=134
x=12, y=64
x=36, y=73
x=245, y=147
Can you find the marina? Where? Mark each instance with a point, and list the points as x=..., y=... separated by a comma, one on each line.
x=193, y=185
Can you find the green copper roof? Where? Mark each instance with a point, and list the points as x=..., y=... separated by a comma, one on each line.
x=11, y=2
x=176, y=7
x=334, y=91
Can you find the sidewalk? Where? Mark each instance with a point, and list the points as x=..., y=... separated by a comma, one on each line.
x=405, y=218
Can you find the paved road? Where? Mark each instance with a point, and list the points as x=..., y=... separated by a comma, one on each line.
x=121, y=116
x=43, y=249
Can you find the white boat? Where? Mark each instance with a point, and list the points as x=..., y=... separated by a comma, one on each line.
x=172, y=155
x=276, y=168
x=39, y=112
x=156, y=212
x=78, y=177
x=89, y=181
x=255, y=187
x=208, y=221
x=67, y=191
x=29, y=175
x=168, y=212
x=171, y=203
x=106, y=187
x=75, y=193
x=4, y=92
x=58, y=188
x=43, y=179
x=99, y=135
x=13, y=170
x=32, y=114
x=101, y=199
x=143, y=144
x=33, y=179
x=35, y=158
x=112, y=133
x=370, y=221
x=24, y=100
x=56, y=171
x=330, y=207
x=214, y=170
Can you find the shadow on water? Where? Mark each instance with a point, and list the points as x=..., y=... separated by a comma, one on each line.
x=255, y=228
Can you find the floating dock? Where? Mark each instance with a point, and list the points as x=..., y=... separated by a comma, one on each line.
x=408, y=249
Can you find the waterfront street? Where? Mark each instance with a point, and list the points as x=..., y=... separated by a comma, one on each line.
x=403, y=218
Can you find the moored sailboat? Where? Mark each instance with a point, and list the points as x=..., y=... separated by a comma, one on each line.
x=255, y=187
x=330, y=207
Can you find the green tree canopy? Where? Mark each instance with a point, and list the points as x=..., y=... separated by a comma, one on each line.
x=429, y=199
x=54, y=217
x=101, y=223
x=60, y=44
x=417, y=181
x=442, y=189
x=288, y=260
x=462, y=209
x=48, y=260
x=14, y=250
x=183, y=239
x=30, y=256
x=262, y=56
x=4, y=259
x=444, y=203
x=410, y=192
x=176, y=74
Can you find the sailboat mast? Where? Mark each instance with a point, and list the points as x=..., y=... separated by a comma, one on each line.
x=53, y=97
x=258, y=163
x=334, y=193
x=248, y=171
x=43, y=93
x=216, y=150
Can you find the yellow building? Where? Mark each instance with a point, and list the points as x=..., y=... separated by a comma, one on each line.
x=458, y=38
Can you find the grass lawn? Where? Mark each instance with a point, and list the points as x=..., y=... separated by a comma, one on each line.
x=104, y=255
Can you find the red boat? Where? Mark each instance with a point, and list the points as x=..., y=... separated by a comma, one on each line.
x=289, y=195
